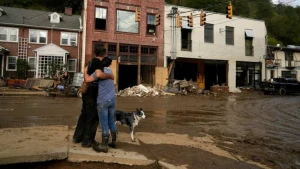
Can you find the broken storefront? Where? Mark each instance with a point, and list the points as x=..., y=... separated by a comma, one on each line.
x=130, y=66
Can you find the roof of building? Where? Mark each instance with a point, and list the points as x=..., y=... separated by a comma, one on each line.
x=36, y=18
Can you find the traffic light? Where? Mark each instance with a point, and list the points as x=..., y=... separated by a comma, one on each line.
x=178, y=21
x=229, y=11
x=190, y=20
x=137, y=15
x=157, y=19
x=202, y=18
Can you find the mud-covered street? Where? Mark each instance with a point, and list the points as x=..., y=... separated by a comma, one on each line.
x=260, y=129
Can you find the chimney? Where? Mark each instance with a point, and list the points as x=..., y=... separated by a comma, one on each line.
x=68, y=11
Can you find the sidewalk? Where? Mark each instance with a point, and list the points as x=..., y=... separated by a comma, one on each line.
x=45, y=143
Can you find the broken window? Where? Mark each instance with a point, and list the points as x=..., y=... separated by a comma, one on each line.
x=100, y=18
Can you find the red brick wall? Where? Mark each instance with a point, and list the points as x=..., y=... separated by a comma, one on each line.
x=110, y=34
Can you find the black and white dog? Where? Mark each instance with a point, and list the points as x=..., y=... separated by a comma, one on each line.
x=130, y=119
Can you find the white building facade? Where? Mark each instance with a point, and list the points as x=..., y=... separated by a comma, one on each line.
x=225, y=52
x=283, y=62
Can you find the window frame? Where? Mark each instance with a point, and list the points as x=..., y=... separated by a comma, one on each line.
x=38, y=36
x=252, y=47
x=7, y=63
x=8, y=35
x=95, y=18
x=32, y=57
x=229, y=29
x=138, y=23
x=75, y=68
x=147, y=27
x=205, y=33
x=69, y=38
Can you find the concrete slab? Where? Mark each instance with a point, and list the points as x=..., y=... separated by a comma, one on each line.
x=80, y=154
x=33, y=144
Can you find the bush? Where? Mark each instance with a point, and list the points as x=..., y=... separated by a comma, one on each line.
x=22, y=69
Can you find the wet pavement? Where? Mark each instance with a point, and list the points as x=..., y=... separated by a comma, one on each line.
x=250, y=126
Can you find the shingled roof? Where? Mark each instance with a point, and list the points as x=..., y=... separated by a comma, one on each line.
x=36, y=18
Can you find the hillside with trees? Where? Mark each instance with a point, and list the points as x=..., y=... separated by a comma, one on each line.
x=282, y=20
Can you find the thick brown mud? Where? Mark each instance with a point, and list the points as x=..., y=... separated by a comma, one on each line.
x=263, y=129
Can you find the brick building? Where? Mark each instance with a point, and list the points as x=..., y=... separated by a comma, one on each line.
x=40, y=37
x=135, y=47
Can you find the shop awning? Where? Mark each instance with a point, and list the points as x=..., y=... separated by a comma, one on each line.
x=249, y=33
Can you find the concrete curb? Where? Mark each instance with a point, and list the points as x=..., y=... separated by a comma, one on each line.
x=33, y=144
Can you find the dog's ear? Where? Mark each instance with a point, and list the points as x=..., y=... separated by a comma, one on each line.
x=137, y=109
x=141, y=109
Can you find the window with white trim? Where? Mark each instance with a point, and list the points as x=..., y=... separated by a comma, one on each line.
x=31, y=63
x=11, y=63
x=72, y=65
x=9, y=34
x=38, y=36
x=68, y=38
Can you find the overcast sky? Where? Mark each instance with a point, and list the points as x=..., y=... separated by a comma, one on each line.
x=292, y=3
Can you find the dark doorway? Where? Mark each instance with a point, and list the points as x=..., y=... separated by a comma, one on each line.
x=215, y=73
x=127, y=76
x=185, y=70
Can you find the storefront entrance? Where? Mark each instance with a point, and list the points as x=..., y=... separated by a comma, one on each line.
x=248, y=74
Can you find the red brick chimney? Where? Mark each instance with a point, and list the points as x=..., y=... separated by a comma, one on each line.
x=68, y=11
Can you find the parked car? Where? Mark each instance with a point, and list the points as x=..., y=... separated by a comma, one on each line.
x=281, y=86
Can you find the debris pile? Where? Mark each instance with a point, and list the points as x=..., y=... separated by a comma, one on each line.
x=174, y=87
x=141, y=91
x=184, y=87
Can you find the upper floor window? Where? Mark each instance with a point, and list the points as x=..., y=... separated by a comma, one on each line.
x=151, y=27
x=288, y=56
x=67, y=38
x=37, y=36
x=126, y=22
x=100, y=18
x=9, y=34
x=249, y=34
x=229, y=35
x=11, y=63
x=55, y=18
x=186, y=39
x=209, y=33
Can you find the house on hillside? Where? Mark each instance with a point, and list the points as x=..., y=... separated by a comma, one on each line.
x=128, y=30
x=224, y=52
x=283, y=62
x=40, y=37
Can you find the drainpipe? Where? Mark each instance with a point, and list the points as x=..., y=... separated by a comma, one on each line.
x=84, y=35
x=78, y=46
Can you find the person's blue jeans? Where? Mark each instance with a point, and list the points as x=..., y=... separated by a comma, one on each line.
x=106, y=113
